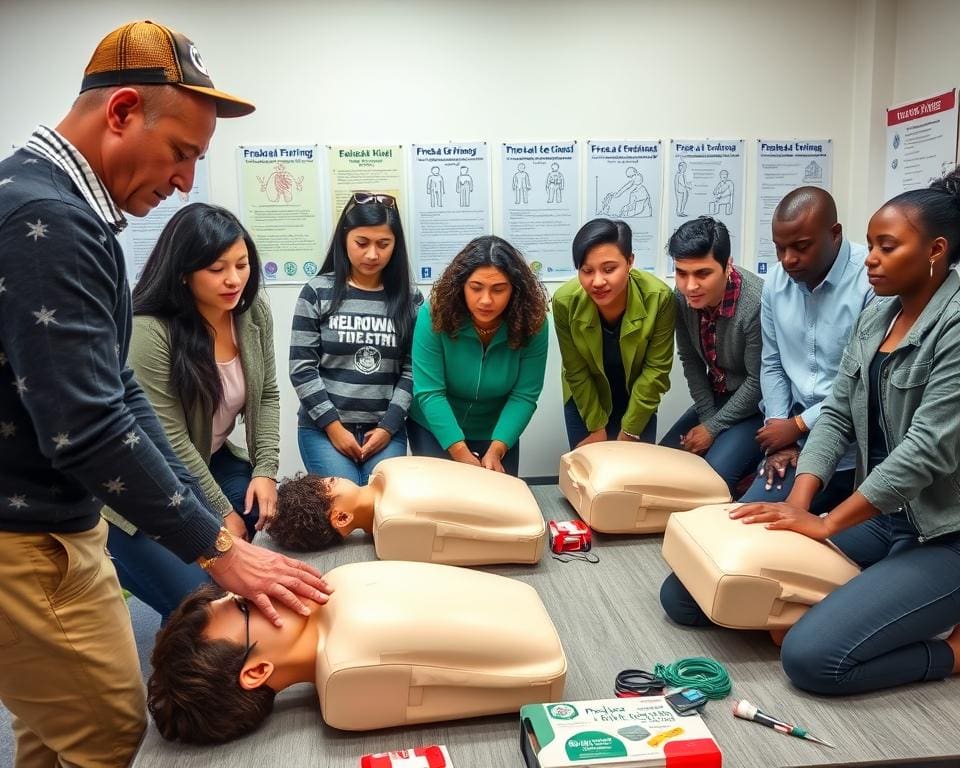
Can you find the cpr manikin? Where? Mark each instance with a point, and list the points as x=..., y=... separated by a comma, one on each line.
x=417, y=508
x=746, y=576
x=397, y=643
x=624, y=487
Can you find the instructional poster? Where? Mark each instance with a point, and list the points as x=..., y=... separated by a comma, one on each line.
x=921, y=142
x=540, y=204
x=364, y=169
x=783, y=165
x=705, y=178
x=142, y=234
x=279, y=204
x=624, y=182
x=449, y=201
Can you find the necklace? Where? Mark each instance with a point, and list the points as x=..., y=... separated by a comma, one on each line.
x=486, y=333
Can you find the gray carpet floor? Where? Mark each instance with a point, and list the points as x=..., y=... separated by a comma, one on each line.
x=609, y=619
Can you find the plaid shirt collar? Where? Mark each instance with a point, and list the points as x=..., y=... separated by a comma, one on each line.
x=728, y=304
x=708, y=330
x=51, y=146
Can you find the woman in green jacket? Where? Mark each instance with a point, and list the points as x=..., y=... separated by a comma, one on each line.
x=479, y=356
x=615, y=329
x=202, y=349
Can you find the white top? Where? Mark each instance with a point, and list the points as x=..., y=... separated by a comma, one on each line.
x=234, y=397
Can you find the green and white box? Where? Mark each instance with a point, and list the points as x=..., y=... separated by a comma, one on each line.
x=642, y=731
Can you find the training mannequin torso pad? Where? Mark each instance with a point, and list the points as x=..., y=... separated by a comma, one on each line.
x=440, y=511
x=621, y=487
x=747, y=576
x=405, y=643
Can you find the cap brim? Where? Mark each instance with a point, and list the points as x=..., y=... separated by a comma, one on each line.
x=227, y=105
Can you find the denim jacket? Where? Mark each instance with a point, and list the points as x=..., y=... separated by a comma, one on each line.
x=920, y=413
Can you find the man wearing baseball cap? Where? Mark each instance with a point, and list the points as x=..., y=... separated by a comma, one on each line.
x=76, y=430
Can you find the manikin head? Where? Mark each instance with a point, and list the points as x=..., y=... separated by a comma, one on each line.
x=316, y=513
x=219, y=663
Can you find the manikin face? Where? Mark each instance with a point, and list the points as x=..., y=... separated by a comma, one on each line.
x=369, y=250
x=487, y=293
x=145, y=163
x=702, y=280
x=604, y=274
x=227, y=622
x=344, y=494
x=898, y=255
x=806, y=246
x=219, y=286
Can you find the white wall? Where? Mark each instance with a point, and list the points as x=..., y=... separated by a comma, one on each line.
x=928, y=57
x=433, y=70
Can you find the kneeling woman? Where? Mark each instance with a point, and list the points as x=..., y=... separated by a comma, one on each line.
x=479, y=356
x=355, y=388
x=202, y=350
x=896, y=395
x=615, y=328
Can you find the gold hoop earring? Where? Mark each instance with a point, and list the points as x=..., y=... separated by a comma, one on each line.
x=931, y=269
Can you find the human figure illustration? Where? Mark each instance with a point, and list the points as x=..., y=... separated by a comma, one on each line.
x=681, y=188
x=280, y=184
x=521, y=185
x=435, y=187
x=723, y=195
x=812, y=173
x=638, y=197
x=464, y=186
x=554, y=184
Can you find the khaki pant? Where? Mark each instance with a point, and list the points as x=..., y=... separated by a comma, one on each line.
x=69, y=672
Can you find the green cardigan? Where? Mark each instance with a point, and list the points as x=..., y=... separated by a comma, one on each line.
x=461, y=392
x=646, y=344
x=191, y=434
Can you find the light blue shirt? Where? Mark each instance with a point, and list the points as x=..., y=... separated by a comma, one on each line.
x=804, y=333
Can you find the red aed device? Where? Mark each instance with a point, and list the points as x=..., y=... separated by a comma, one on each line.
x=421, y=757
x=570, y=536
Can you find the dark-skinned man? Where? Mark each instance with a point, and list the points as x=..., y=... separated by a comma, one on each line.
x=807, y=310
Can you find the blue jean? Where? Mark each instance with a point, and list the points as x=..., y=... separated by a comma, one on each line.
x=735, y=452
x=321, y=458
x=153, y=573
x=423, y=443
x=840, y=486
x=874, y=632
x=679, y=604
x=577, y=430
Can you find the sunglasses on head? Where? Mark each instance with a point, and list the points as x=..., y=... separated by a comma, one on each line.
x=362, y=198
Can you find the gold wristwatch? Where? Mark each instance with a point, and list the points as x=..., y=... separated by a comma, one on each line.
x=222, y=545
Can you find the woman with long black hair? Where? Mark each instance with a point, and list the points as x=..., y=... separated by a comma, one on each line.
x=350, y=345
x=202, y=349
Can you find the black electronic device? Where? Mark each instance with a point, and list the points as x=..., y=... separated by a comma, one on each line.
x=687, y=701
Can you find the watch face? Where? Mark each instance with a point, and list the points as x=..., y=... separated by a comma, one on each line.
x=224, y=540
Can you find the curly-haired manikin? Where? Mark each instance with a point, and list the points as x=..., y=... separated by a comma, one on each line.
x=316, y=513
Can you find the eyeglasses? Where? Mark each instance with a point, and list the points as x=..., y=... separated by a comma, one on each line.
x=241, y=604
x=362, y=198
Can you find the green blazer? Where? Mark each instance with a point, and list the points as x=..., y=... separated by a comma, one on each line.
x=646, y=344
x=191, y=434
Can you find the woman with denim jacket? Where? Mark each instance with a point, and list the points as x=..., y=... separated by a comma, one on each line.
x=897, y=396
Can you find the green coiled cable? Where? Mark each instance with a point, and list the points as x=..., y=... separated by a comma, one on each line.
x=706, y=675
